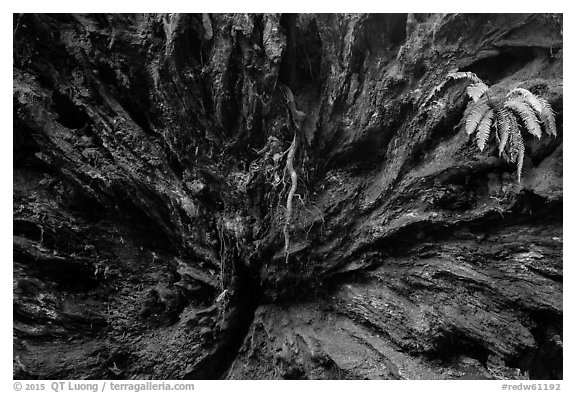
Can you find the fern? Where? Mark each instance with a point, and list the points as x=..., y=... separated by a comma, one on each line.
x=484, y=129
x=504, y=123
x=476, y=91
x=453, y=75
x=527, y=115
x=464, y=75
x=540, y=106
x=527, y=97
x=516, y=148
x=475, y=117
x=547, y=118
x=519, y=108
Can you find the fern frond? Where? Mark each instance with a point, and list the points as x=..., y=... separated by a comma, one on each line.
x=525, y=95
x=520, y=163
x=526, y=113
x=504, y=121
x=547, y=117
x=516, y=149
x=520, y=108
x=475, y=116
x=452, y=75
x=484, y=129
x=464, y=75
x=476, y=90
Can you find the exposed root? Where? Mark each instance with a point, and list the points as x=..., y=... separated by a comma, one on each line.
x=297, y=119
x=294, y=179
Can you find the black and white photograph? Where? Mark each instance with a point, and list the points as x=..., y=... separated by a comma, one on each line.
x=287, y=196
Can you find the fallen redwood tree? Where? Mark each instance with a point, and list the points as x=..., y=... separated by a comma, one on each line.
x=151, y=215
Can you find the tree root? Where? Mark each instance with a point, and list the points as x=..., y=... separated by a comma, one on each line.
x=294, y=179
x=298, y=118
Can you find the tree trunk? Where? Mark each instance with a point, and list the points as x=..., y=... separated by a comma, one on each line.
x=150, y=192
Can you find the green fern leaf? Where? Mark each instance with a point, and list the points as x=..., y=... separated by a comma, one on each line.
x=526, y=113
x=526, y=96
x=484, y=129
x=547, y=117
x=475, y=116
x=504, y=121
x=476, y=90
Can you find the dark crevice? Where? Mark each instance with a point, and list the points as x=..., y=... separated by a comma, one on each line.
x=163, y=306
x=24, y=145
x=385, y=31
x=453, y=344
x=287, y=73
x=27, y=229
x=257, y=36
x=137, y=110
x=150, y=224
x=67, y=274
x=309, y=54
x=189, y=47
x=174, y=163
x=302, y=58
x=232, y=80
x=364, y=153
x=507, y=62
x=107, y=75
x=134, y=100
x=238, y=321
x=397, y=29
x=367, y=151
x=69, y=114
x=544, y=362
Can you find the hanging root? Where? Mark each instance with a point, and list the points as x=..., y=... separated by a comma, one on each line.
x=298, y=118
x=294, y=178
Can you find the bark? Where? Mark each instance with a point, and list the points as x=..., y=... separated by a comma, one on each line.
x=149, y=202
